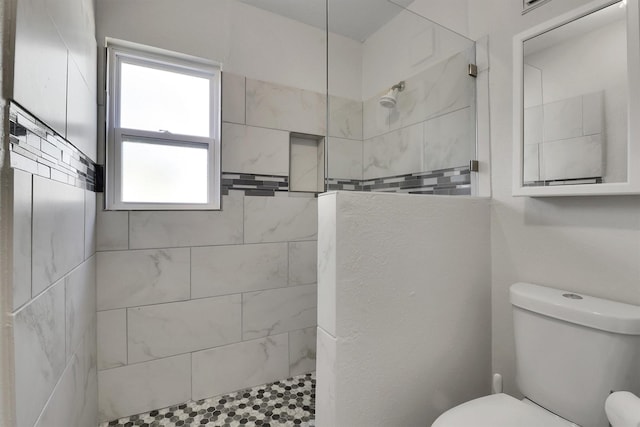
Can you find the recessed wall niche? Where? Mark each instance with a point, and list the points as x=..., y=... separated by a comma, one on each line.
x=306, y=163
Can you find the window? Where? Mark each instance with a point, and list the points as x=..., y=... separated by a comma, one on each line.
x=163, y=127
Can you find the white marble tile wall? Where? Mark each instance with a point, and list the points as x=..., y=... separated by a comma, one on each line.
x=281, y=107
x=171, y=285
x=141, y=277
x=449, y=140
x=134, y=389
x=573, y=158
x=278, y=310
x=224, y=270
x=395, y=153
x=112, y=338
x=54, y=322
x=58, y=231
x=164, y=330
x=565, y=139
x=241, y=365
x=302, y=351
x=441, y=97
x=164, y=303
x=442, y=88
x=162, y=229
x=345, y=118
x=280, y=219
x=303, y=261
x=345, y=158
x=254, y=150
x=21, y=237
x=563, y=119
x=39, y=331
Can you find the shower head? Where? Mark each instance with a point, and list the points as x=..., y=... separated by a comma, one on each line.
x=389, y=99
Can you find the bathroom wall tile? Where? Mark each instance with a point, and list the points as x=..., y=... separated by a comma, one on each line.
x=592, y=113
x=286, y=108
x=58, y=231
x=89, y=223
x=442, y=88
x=80, y=296
x=375, y=118
x=533, y=125
x=280, y=219
x=327, y=262
x=306, y=164
x=21, y=237
x=74, y=402
x=248, y=149
x=194, y=228
x=303, y=262
x=396, y=153
x=345, y=158
x=112, y=229
x=531, y=163
x=237, y=366
x=278, y=310
x=39, y=335
x=302, y=351
x=112, y=338
x=563, y=119
x=233, y=98
x=168, y=329
x=345, y=118
x=144, y=386
x=573, y=158
x=131, y=278
x=326, y=379
x=449, y=140
x=222, y=270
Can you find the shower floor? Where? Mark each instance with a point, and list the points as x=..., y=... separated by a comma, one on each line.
x=289, y=402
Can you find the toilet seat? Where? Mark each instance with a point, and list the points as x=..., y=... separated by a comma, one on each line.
x=499, y=410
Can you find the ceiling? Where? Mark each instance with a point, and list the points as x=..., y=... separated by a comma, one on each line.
x=356, y=19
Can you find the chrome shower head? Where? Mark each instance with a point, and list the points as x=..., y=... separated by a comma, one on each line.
x=390, y=98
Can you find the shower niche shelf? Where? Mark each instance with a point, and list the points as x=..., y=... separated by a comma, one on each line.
x=306, y=163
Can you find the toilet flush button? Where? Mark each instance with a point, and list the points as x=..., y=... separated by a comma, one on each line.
x=572, y=296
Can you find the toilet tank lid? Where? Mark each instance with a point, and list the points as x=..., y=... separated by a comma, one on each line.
x=575, y=308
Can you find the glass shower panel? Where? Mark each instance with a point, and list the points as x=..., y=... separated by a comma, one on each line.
x=402, y=108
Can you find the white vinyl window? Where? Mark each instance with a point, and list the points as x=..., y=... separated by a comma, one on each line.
x=163, y=131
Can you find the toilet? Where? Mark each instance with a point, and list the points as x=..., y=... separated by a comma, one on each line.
x=572, y=352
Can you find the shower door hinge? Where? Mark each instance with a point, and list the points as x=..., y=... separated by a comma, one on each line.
x=473, y=70
x=474, y=166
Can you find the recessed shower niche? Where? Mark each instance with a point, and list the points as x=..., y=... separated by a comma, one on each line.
x=306, y=163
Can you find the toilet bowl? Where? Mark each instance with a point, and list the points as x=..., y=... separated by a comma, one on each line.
x=500, y=410
x=552, y=327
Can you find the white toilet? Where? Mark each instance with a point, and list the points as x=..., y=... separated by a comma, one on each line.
x=572, y=351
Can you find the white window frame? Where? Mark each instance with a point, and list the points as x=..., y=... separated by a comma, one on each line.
x=124, y=52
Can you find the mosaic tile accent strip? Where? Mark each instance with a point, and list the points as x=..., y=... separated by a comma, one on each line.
x=36, y=149
x=254, y=185
x=285, y=403
x=596, y=180
x=453, y=181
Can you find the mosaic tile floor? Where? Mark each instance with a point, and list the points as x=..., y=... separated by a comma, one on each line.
x=290, y=402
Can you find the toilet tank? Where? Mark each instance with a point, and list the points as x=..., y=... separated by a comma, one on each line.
x=573, y=350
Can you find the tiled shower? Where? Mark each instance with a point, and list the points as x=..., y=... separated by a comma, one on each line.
x=125, y=312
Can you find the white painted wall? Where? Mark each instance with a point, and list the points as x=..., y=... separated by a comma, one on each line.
x=452, y=14
x=584, y=244
x=403, y=307
x=247, y=40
